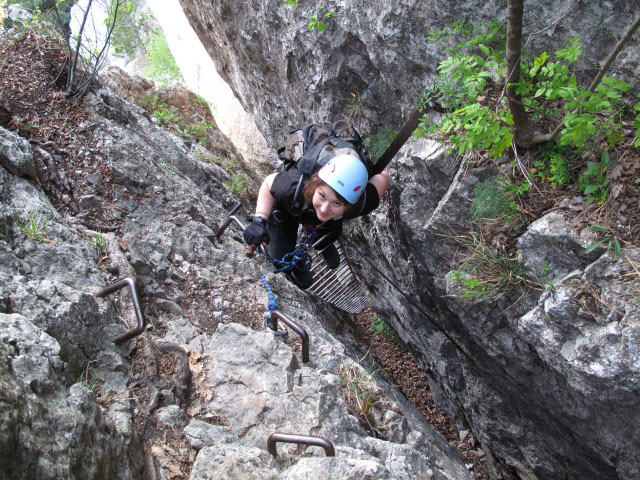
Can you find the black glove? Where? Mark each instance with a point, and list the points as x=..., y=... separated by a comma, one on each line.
x=256, y=232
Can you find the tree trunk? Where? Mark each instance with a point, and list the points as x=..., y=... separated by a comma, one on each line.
x=515, y=9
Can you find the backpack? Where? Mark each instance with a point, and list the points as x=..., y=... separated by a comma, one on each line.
x=312, y=146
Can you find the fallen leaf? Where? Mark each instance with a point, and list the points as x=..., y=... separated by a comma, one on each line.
x=157, y=451
x=170, y=450
x=615, y=172
x=194, y=357
x=175, y=470
x=193, y=411
x=617, y=189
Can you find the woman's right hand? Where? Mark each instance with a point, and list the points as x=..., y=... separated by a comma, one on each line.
x=256, y=232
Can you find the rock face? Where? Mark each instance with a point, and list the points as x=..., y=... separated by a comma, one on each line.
x=53, y=329
x=530, y=376
x=75, y=405
x=546, y=381
x=285, y=74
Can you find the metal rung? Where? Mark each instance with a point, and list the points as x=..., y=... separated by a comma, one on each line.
x=142, y=324
x=274, y=438
x=288, y=321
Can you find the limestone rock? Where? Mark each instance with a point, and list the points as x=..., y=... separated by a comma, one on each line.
x=15, y=155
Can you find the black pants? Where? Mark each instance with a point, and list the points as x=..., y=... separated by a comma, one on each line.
x=283, y=233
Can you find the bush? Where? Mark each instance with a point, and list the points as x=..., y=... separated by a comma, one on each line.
x=491, y=201
x=379, y=142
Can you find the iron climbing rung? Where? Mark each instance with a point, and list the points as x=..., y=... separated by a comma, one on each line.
x=304, y=336
x=142, y=324
x=232, y=218
x=301, y=440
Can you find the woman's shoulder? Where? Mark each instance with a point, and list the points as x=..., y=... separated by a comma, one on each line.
x=284, y=183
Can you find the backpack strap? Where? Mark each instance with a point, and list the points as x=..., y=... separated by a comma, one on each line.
x=297, y=204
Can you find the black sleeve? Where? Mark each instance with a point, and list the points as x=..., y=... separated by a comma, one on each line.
x=284, y=184
x=332, y=235
x=367, y=203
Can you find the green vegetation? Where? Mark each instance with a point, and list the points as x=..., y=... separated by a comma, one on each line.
x=493, y=199
x=481, y=121
x=378, y=143
x=169, y=169
x=317, y=19
x=197, y=132
x=592, y=120
x=88, y=378
x=354, y=106
x=161, y=64
x=33, y=227
x=99, y=243
x=380, y=327
x=546, y=270
x=487, y=272
x=554, y=165
x=44, y=15
x=226, y=163
x=609, y=239
x=238, y=184
x=359, y=392
x=170, y=117
x=593, y=180
x=131, y=26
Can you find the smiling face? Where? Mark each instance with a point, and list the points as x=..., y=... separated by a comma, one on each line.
x=327, y=204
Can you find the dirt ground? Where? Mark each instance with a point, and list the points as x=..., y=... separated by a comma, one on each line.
x=403, y=369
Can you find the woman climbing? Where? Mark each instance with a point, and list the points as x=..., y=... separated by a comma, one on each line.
x=340, y=190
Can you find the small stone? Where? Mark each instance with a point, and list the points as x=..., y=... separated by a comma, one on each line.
x=95, y=178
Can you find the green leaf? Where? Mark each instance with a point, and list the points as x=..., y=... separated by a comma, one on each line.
x=593, y=246
x=616, y=247
x=484, y=49
x=617, y=84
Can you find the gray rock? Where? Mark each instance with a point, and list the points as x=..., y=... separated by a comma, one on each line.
x=171, y=416
x=551, y=248
x=285, y=74
x=56, y=428
x=221, y=462
x=170, y=206
x=202, y=434
x=15, y=155
x=15, y=18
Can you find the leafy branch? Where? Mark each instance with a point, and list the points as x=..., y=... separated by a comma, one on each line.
x=550, y=137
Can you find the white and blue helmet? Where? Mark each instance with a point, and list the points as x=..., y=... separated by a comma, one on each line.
x=347, y=175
